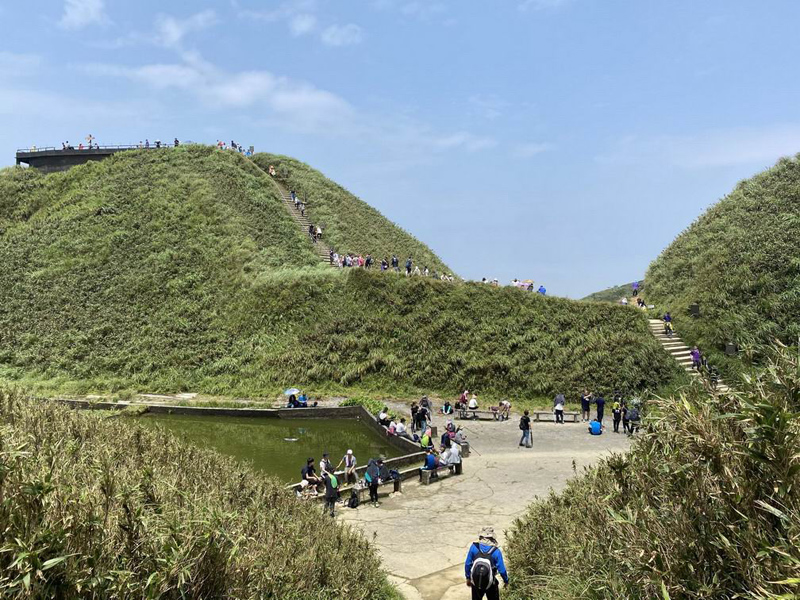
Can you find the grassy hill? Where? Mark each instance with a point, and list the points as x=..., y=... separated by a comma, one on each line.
x=349, y=224
x=179, y=270
x=614, y=294
x=99, y=507
x=705, y=505
x=740, y=262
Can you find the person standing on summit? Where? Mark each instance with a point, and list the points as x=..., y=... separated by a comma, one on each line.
x=409, y=264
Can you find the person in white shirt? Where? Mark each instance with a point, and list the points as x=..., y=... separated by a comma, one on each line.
x=325, y=465
x=473, y=405
x=383, y=417
x=349, y=462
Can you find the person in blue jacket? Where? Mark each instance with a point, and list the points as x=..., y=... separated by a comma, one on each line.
x=595, y=428
x=542, y=290
x=430, y=464
x=484, y=562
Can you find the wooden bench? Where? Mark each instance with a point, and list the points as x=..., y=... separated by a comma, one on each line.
x=427, y=475
x=479, y=414
x=549, y=415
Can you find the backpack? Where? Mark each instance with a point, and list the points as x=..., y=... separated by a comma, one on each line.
x=353, y=502
x=633, y=414
x=394, y=474
x=482, y=572
x=334, y=481
x=522, y=425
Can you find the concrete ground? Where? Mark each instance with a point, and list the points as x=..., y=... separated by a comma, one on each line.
x=423, y=534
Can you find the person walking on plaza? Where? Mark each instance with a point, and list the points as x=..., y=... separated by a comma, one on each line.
x=484, y=562
x=600, y=403
x=331, y=491
x=525, y=426
x=616, y=413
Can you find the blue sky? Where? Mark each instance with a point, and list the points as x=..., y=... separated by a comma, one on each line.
x=567, y=141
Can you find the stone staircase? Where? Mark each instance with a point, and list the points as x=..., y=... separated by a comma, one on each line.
x=679, y=351
x=320, y=248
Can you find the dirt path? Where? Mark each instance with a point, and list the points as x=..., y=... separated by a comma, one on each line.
x=424, y=533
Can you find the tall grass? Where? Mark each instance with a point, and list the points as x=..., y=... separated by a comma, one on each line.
x=705, y=505
x=180, y=270
x=92, y=507
x=739, y=261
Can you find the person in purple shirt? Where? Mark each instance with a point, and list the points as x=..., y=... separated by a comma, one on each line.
x=695, y=358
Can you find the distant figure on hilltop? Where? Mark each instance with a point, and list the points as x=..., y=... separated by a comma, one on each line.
x=635, y=289
x=542, y=290
x=176, y=142
x=409, y=264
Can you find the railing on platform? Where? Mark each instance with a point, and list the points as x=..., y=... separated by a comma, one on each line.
x=34, y=149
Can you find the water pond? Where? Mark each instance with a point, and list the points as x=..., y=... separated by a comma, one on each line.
x=278, y=446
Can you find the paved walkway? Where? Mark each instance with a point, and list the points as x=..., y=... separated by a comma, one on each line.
x=423, y=534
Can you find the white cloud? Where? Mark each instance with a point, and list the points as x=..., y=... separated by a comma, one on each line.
x=170, y=31
x=342, y=35
x=297, y=104
x=302, y=24
x=529, y=150
x=80, y=13
x=708, y=149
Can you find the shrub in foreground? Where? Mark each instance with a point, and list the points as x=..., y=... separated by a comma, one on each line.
x=705, y=505
x=97, y=507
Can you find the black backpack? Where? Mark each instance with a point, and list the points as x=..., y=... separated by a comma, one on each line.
x=353, y=502
x=483, y=571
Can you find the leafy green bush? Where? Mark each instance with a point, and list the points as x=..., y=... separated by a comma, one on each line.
x=705, y=505
x=104, y=508
x=740, y=262
x=349, y=224
x=614, y=294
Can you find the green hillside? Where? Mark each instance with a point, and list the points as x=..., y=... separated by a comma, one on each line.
x=180, y=270
x=98, y=507
x=614, y=294
x=349, y=224
x=740, y=262
x=705, y=505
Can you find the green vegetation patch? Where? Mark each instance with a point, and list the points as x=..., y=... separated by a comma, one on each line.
x=349, y=224
x=740, y=262
x=705, y=505
x=103, y=508
x=614, y=294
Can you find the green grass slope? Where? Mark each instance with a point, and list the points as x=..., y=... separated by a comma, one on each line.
x=349, y=224
x=614, y=294
x=740, y=262
x=99, y=507
x=179, y=270
x=705, y=505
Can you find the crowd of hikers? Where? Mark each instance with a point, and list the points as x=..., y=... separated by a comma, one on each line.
x=623, y=411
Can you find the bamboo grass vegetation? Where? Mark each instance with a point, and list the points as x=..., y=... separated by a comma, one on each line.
x=705, y=505
x=98, y=507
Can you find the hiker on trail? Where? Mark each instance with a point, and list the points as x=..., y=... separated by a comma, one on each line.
x=600, y=402
x=272, y=171
x=558, y=408
x=616, y=413
x=634, y=418
x=414, y=411
x=595, y=428
x=384, y=264
x=624, y=301
x=542, y=290
x=586, y=404
x=635, y=291
x=484, y=562
x=319, y=232
x=176, y=142
x=395, y=263
x=331, y=491
x=416, y=271
x=332, y=256
x=349, y=463
x=294, y=197
x=309, y=474
x=383, y=417
x=696, y=358
x=427, y=404
x=146, y=143
x=375, y=473
x=325, y=465
x=525, y=426
x=409, y=262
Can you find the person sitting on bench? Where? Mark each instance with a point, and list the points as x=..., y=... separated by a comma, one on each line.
x=447, y=408
x=430, y=464
x=473, y=406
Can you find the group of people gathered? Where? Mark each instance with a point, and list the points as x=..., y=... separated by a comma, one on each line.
x=628, y=413
x=329, y=478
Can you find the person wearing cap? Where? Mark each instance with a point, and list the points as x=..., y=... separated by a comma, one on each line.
x=325, y=465
x=486, y=546
x=349, y=462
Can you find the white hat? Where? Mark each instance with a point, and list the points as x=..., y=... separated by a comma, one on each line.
x=304, y=484
x=349, y=451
